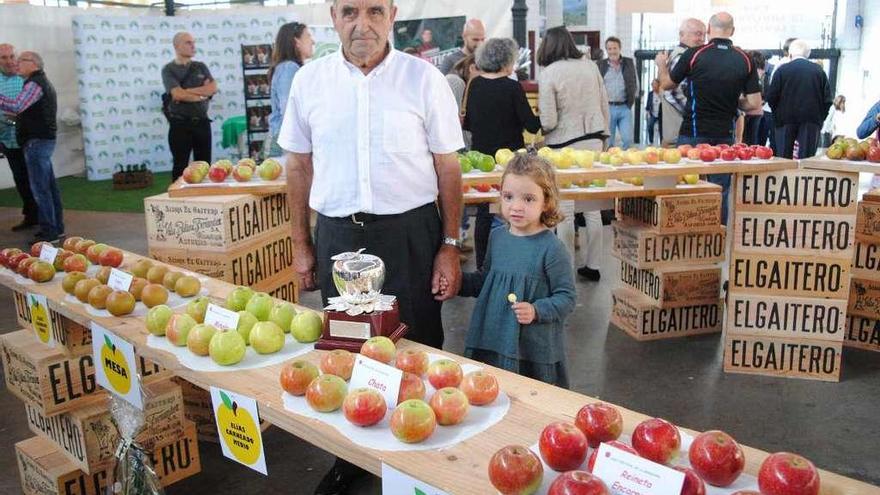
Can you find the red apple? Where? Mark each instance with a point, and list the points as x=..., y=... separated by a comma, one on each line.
x=380, y=348
x=450, y=406
x=338, y=362
x=784, y=473
x=855, y=153
x=480, y=387
x=516, y=470
x=684, y=149
x=8, y=253
x=577, y=483
x=110, y=257
x=25, y=264
x=326, y=393
x=703, y=146
x=708, y=155
x=746, y=492
x=40, y=271
x=413, y=421
x=217, y=174
x=744, y=154
x=483, y=188
x=657, y=440
x=192, y=175
x=722, y=146
x=76, y=263
x=694, y=153
x=873, y=154
x=444, y=373
x=693, y=485
x=93, y=253
x=563, y=446
x=763, y=153
x=717, y=458
x=296, y=376
x=600, y=422
x=15, y=260
x=412, y=360
x=614, y=443
x=62, y=255
x=364, y=407
x=37, y=247
x=728, y=154
x=242, y=173
x=411, y=387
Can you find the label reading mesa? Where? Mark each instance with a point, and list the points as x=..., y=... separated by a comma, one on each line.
x=116, y=366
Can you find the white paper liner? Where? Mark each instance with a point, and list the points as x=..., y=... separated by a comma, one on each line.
x=140, y=310
x=23, y=280
x=175, y=301
x=251, y=359
x=379, y=436
x=743, y=482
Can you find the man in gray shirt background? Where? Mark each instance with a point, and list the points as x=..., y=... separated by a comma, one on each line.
x=473, y=34
x=190, y=85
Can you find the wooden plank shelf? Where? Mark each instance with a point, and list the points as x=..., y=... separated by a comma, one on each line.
x=180, y=189
x=613, y=189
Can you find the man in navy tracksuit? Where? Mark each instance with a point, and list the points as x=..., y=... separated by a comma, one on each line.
x=721, y=79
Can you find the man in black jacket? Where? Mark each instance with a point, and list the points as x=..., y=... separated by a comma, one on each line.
x=622, y=86
x=800, y=97
x=35, y=109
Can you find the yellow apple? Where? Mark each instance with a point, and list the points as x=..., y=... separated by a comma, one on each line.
x=546, y=152
x=616, y=160
x=563, y=160
x=692, y=178
x=598, y=183
x=503, y=156
x=584, y=158
x=605, y=157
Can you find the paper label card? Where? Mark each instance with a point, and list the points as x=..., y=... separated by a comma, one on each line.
x=119, y=280
x=115, y=365
x=394, y=481
x=40, y=319
x=48, y=253
x=221, y=318
x=380, y=377
x=628, y=474
x=238, y=423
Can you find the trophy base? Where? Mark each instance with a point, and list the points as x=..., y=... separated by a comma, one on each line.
x=343, y=331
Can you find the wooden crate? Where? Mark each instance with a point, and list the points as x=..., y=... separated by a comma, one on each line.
x=673, y=213
x=637, y=316
x=797, y=191
x=248, y=265
x=45, y=470
x=198, y=409
x=868, y=221
x=88, y=436
x=864, y=299
x=866, y=260
x=642, y=247
x=862, y=333
x=214, y=223
x=672, y=287
x=70, y=337
x=796, y=276
x=281, y=286
x=786, y=317
x=789, y=358
x=794, y=234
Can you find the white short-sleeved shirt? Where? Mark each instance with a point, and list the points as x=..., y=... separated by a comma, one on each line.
x=371, y=136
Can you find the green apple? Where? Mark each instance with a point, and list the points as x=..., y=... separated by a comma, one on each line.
x=486, y=163
x=238, y=298
x=178, y=329
x=246, y=322
x=691, y=178
x=199, y=339
x=465, y=162
x=197, y=308
x=260, y=305
x=282, y=314
x=307, y=326
x=226, y=348
x=157, y=319
x=269, y=169
x=266, y=337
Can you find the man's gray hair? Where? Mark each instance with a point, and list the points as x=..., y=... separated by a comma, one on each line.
x=799, y=48
x=38, y=60
x=496, y=54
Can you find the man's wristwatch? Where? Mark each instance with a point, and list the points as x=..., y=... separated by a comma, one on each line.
x=452, y=241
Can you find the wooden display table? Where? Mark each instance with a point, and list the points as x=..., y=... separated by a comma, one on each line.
x=460, y=469
x=180, y=189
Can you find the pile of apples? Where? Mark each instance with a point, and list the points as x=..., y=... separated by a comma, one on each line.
x=715, y=458
x=474, y=160
x=262, y=325
x=708, y=153
x=851, y=149
x=196, y=172
x=75, y=255
x=414, y=418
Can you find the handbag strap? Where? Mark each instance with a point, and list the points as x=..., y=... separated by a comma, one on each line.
x=464, y=98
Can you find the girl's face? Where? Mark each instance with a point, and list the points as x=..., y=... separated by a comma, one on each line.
x=305, y=45
x=522, y=203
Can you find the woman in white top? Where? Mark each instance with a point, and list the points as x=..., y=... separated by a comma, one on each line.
x=829, y=128
x=574, y=113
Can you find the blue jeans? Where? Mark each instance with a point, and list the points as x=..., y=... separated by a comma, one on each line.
x=621, y=117
x=38, y=156
x=722, y=180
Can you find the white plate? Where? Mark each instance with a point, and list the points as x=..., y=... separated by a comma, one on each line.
x=251, y=359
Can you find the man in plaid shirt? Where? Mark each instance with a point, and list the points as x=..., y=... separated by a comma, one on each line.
x=10, y=85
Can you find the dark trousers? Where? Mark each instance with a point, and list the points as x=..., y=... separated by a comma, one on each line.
x=407, y=243
x=185, y=137
x=722, y=180
x=18, y=166
x=752, y=129
x=805, y=133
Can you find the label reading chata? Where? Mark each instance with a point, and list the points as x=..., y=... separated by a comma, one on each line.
x=783, y=357
x=820, y=319
x=863, y=333
x=790, y=275
x=804, y=233
x=803, y=191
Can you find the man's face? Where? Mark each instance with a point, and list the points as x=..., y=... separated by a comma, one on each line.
x=613, y=50
x=26, y=65
x=363, y=25
x=7, y=61
x=474, y=38
x=186, y=47
x=693, y=35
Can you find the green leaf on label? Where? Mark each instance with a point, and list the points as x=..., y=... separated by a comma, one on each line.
x=419, y=492
x=109, y=343
x=226, y=400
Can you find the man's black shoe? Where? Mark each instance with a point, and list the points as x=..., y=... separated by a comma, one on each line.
x=24, y=225
x=589, y=274
x=44, y=237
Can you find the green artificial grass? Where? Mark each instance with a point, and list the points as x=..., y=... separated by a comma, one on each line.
x=78, y=193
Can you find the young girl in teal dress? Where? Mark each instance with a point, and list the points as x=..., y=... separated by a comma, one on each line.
x=526, y=288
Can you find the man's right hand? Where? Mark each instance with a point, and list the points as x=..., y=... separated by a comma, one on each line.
x=304, y=264
x=661, y=59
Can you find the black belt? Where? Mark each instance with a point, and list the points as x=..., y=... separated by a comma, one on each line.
x=617, y=103
x=189, y=120
x=361, y=218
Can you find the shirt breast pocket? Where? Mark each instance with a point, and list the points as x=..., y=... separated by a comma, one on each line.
x=402, y=132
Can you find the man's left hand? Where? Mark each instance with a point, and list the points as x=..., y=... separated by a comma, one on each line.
x=448, y=266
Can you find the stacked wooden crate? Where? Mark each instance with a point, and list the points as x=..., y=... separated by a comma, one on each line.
x=863, y=318
x=669, y=248
x=790, y=273
x=242, y=239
